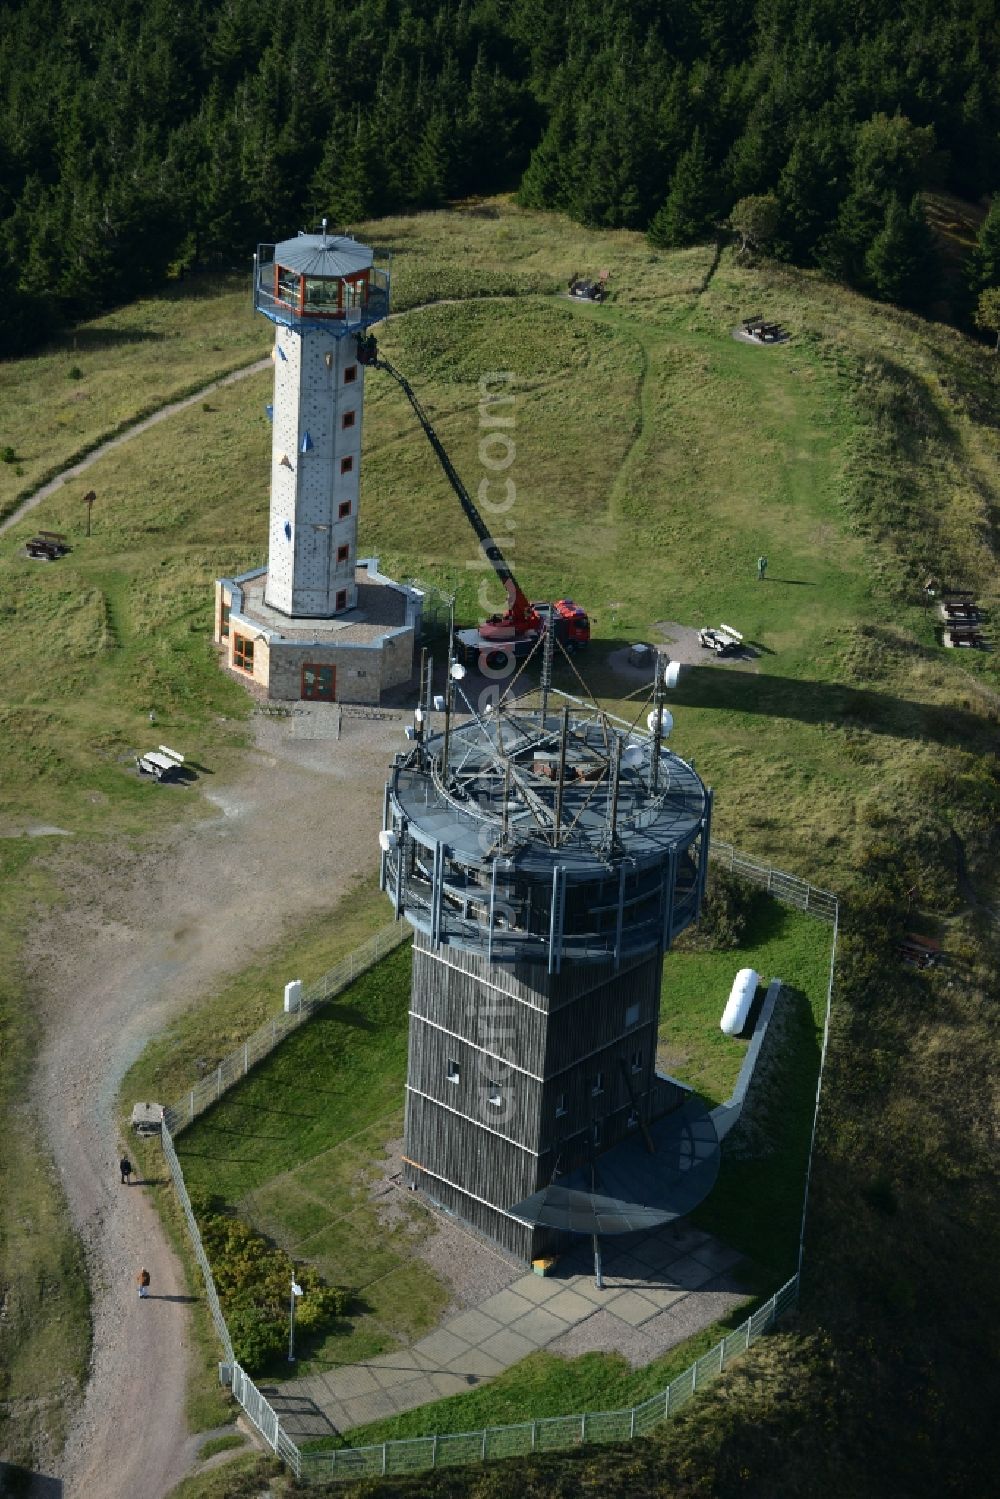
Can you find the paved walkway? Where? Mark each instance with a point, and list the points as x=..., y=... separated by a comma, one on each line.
x=658, y=1290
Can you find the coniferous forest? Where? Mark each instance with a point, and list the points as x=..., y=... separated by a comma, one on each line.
x=142, y=137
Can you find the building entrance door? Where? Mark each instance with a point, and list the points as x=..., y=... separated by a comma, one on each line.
x=319, y=683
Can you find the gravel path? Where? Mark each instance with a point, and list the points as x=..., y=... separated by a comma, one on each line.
x=140, y=935
x=77, y=469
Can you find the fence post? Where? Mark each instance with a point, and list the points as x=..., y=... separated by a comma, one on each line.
x=385, y=1447
x=583, y=1427
x=694, y=1376
x=246, y=1057
x=485, y=1429
x=434, y=1452
x=666, y=1406
x=191, y=1106
x=218, y=1084
x=534, y=1435
x=631, y=1424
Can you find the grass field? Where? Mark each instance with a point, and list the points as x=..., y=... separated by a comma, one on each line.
x=655, y=459
x=294, y=1149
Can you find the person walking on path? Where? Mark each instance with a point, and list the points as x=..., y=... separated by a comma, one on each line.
x=142, y=1280
x=761, y=568
x=125, y=1167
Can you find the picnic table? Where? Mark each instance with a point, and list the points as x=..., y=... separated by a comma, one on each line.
x=722, y=641
x=47, y=545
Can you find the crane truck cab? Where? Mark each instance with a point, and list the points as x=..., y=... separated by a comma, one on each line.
x=497, y=642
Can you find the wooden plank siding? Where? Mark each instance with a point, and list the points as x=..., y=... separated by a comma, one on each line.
x=494, y=1050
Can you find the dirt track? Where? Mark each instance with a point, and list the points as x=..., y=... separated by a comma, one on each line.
x=141, y=935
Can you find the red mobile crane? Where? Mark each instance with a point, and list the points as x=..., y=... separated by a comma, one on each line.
x=518, y=629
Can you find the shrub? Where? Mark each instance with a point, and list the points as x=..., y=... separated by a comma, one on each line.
x=253, y=1278
x=724, y=914
x=7, y=454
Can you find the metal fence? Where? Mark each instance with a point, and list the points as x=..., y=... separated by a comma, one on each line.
x=552, y=1434
x=234, y=1067
x=555, y=1433
x=783, y=886
x=199, y=1249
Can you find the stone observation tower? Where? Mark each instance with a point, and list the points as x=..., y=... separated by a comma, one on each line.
x=546, y=855
x=316, y=622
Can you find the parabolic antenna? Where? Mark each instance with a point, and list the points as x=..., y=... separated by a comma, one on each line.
x=666, y=722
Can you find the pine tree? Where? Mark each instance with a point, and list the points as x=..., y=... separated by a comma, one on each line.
x=901, y=264
x=987, y=314
x=984, y=262
x=690, y=210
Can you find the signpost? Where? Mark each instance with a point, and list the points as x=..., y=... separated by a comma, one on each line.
x=88, y=500
x=296, y=1291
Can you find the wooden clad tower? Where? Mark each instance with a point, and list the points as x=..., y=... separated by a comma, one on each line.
x=546, y=860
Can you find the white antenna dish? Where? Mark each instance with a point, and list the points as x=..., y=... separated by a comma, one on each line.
x=387, y=840
x=631, y=756
x=438, y=703
x=457, y=671
x=671, y=674
x=666, y=722
x=418, y=715
x=410, y=731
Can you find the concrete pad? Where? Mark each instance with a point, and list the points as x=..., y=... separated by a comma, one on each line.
x=686, y=1239
x=477, y=1364
x=449, y=1384
x=352, y=1381
x=507, y=1347
x=506, y=1307
x=536, y=1288
x=656, y=1253
x=390, y=1379
x=716, y=1256
x=441, y=1346
x=538, y=1326
x=372, y=1407
x=662, y=1296
x=472, y=1326
x=627, y=1268
x=632, y=1308
x=689, y=1273
x=570, y=1306
x=585, y=1287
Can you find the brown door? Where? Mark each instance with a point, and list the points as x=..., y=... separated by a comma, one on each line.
x=319, y=683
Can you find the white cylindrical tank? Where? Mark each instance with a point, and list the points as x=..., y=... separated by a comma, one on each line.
x=741, y=997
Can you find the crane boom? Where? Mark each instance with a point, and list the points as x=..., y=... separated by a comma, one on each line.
x=520, y=613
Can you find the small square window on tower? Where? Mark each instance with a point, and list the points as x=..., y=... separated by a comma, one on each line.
x=346, y=465
x=494, y=1095
x=341, y=599
x=343, y=553
x=454, y=1071
x=348, y=419
x=350, y=374
x=345, y=510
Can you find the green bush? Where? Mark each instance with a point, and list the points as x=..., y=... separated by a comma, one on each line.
x=253, y=1278
x=8, y=454
x=724, y=914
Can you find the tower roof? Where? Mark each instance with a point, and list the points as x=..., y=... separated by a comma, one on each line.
x=324, y=255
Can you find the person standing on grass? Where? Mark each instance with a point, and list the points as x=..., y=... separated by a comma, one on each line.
x=126, y=1168
x=761, y=568
x=142, y=1280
